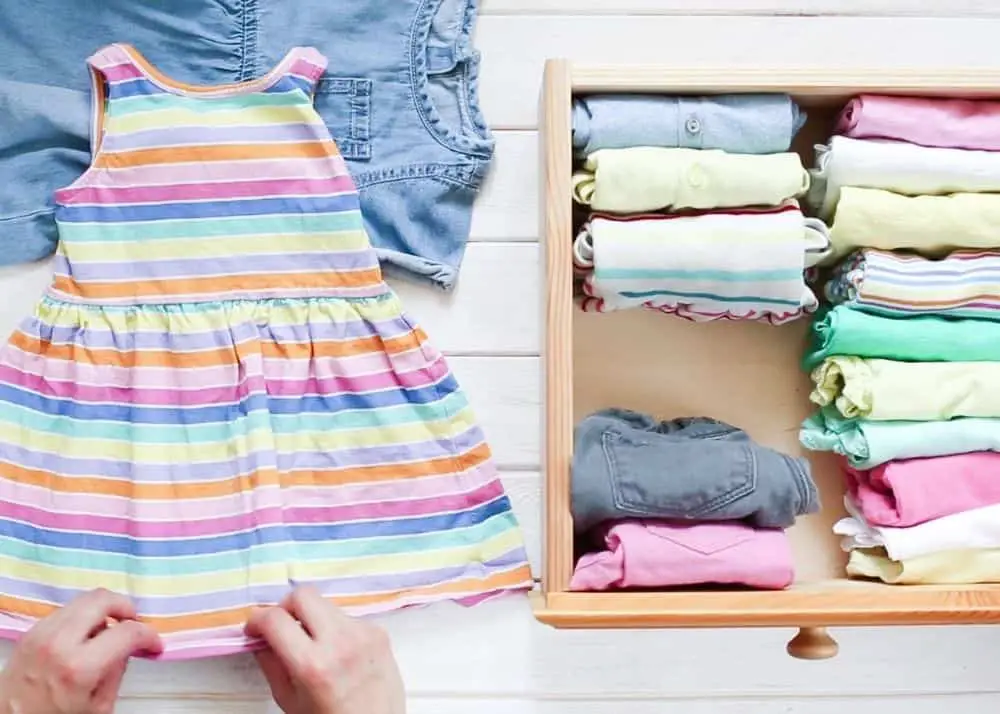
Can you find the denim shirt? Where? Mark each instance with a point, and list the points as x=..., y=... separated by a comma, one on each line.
x=399, y=96
x=628, y=465
x=738, y=123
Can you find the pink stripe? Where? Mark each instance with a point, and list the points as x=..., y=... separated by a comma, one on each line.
x=274, y=370
x=261, y=169
x=121, y=72
x=189, y=397
x=425, y=487
x=306, y=68
x=260, y=517
x=214, y=191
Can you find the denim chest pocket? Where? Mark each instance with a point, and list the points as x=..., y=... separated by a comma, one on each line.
x=345, y=104
x=678, y=479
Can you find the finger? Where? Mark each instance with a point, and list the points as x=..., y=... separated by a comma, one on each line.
x=320, y=618
x=285, y=636
x=122, y=640
x=275, y=673
x=106, y=693
x=90, y=612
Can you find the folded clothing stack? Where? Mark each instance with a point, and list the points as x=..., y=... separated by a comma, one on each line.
x=683, y=502
x=692, y=206
x=906, y=359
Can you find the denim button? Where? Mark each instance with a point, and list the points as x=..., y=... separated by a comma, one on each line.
x=692, y=125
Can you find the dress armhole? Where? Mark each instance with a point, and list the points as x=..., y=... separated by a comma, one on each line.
x=98, y=108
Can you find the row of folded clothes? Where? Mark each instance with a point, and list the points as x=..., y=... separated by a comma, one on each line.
x=696, y=501
x=695, y=202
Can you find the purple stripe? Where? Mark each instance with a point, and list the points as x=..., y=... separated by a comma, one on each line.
x=287, y=462
x=187, y=136
x=307, y=263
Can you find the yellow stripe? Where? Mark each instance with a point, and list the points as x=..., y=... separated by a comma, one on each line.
x=257, y=575
x=177, y=118
x=208, y=248
x=245, y=444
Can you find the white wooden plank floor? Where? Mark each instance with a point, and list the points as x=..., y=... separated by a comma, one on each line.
x=495, y=658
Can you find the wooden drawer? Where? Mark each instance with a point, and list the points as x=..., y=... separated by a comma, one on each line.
x=744, y=373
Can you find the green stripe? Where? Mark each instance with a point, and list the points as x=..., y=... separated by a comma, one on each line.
x=124, y=106
x=259, y=554
x=162, y=229
x=238, y=428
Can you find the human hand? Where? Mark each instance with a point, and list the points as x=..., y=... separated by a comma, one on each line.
x=321, y=661
x=73, y=661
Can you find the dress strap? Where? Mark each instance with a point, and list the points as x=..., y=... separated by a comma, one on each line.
x=306, y=63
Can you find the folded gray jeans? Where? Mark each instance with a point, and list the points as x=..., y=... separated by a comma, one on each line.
x=628, y=465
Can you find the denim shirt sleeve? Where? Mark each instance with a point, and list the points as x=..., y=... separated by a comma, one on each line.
x=43, y=150
x=738, y=123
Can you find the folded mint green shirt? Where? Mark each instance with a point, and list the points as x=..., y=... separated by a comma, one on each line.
x=845, y=330
x=866, y=444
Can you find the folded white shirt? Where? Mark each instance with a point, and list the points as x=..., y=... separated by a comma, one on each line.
x=978, y=528
x=900, y=167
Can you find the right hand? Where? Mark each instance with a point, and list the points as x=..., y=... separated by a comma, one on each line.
x=321, y=661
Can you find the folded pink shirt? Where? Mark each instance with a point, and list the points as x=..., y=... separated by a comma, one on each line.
x=651, y=553
x=928, y=121
x=911, y=491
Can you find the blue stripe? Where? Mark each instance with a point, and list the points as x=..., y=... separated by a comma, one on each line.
x=259, y=536
x=167, y=416
x=134, y=88
x=722, y=275
x=209, y=209
x=711, y=296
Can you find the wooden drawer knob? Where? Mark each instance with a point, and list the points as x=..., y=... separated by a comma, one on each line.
x=812, y=643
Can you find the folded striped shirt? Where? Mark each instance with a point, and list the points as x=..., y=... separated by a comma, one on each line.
x=744, y=264
x=964, y=284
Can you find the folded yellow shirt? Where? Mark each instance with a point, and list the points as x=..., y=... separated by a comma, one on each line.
x=647, y=178
x=881, y=389
x=945, y=567
x=930, y=225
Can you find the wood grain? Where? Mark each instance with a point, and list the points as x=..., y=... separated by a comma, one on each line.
x=558, y=341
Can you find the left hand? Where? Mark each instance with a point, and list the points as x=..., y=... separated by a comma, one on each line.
x=73, y=661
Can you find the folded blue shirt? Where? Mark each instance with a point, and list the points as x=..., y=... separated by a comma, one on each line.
x=738, y=123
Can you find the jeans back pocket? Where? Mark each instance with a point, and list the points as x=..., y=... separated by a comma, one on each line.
x=677, y=478
x=345, y=104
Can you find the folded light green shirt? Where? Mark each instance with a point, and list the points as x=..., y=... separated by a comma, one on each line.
x=945, y=567
x=929, y=225
x=866, y=444
x=883, y=389
x=648, y=178
x=845, y=330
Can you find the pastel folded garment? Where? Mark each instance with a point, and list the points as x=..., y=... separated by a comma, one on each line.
x=844, y=330
x=945, y=122
x=649, y=554
x=964, y=284
x=884, y=389
x=647, y=178
x=912, y=491
x=745, y=263
x=900, y=167
x=630, y=465
x=739, y=123
x=929, y=225
x=867, y=444
x=956, y=567
x=978, y=528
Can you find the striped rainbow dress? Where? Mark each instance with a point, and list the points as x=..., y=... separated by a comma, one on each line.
x=219, y=398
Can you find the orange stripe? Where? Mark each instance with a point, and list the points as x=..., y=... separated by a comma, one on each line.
x=226, y=152
x=194, y=286
x=214, y=357
x=960, y=302
x=242, y=484
x=238, y=617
